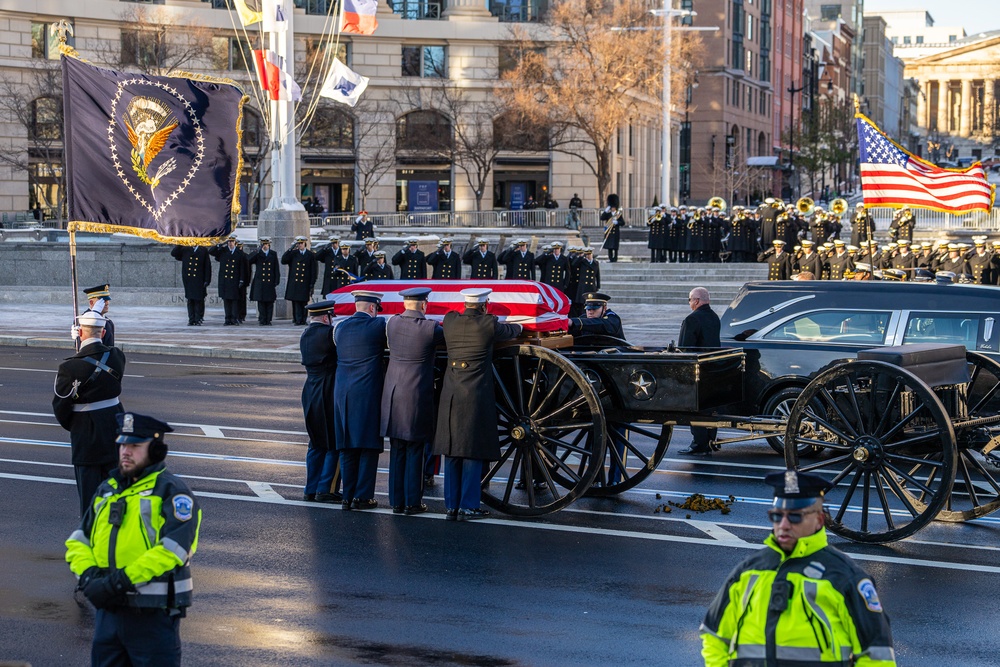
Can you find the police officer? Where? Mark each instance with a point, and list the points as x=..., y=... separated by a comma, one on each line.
x=797, y=601
x=520, y=261
x=598, y=319
x=319, y=356
x=446, y=262
x=408, y=398
x=466, y=431
x=264, y=284
x=87, y=387
x=555, y=268
x=587, y=278
x=132, y=553
x=411, y=261
x=360, y=342
x=196, y=275
x=234, y=274
x=482, y=260
x=327, y=256
x=99, y=300
x=378, y=270
x=613, y=218
x=302, y=274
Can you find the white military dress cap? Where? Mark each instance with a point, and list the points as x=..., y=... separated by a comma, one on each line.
x=476, y=294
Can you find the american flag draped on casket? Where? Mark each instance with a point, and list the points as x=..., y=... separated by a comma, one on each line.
x=536, y=306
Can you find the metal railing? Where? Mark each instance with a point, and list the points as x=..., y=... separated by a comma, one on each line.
x=518, y=11
x=418, y=10
x=977, y=221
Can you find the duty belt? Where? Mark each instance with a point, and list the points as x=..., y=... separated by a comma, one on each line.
x=96, y=405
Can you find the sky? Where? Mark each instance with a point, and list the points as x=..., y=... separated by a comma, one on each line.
x=973, y=15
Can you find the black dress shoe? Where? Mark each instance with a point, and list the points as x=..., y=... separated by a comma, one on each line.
x=346, y=505
x=473, y=514
x=429, y=480
x=369, y=504
x=696, y=451
x=329, y=498
x=398, y=509
x=451, y=515
x=309, y=497
x=415, y=509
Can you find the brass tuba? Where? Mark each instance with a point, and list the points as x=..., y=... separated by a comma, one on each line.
x=805, y=206
x=717, y=202
x=838, y=207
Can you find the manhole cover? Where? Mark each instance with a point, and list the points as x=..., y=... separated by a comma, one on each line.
x=238, y=386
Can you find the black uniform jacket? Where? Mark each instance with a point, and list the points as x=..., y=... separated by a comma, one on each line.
x=483, y=266
x=555, y=271
x=408, y=393
x=587, y=277
x=302, y=274
x=92, y=432
x=519, y=267
x=360, y=341
x=328, y=255
x=445, y=266
x=609, y=325
x=319, y=356
x=700, y=329
x=613, y=224
x=412, y=265
x=266, y=275
x=196, y=270
x=234, y=271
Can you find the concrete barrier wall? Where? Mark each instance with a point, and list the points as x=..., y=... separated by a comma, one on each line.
x=122, y=265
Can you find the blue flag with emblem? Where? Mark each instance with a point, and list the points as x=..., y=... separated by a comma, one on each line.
x=154, y=156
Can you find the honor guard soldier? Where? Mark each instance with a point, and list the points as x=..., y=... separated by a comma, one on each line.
x=520, y=261
x=363, y=227
x=954, y=262
x=132, y=553
x=905, y=260
x=346, y=271
x=798, y=601
x=319, y=356
x=587, y=275
x=408, y=398
x=482, y=260
x=234, y=273
x=979, y=263
x=598, y=319
x=612, y=217
x=840, y=262
x=675, y=236
x=264, y=285
x=411, y=261
x=327, y=256
x=810, y=261
x=925, y=258
x=87, y=388
x=196, y=275
x=446, y=262
x=555, y=268
x=302, y=274
x=657, y=224
x=466, y=431
x=357, y=393
x=378, y=270
x=241, y=300
x=862, y=225
x=99, y=302
x=902, y=225
x=779, y=263
x=366, y=255
x=768, y=215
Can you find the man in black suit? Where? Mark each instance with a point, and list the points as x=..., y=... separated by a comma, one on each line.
x=408, y=398
x=196, y=275
x=700, y=329
x=263, y=286
x=86, y=403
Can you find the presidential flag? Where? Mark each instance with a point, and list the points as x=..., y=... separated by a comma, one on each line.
x=358, y=17
x=893, y=177
x=343, y=84
x=154, y=156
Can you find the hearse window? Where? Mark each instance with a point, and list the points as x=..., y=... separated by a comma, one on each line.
x=834, y=326
x=955, y=328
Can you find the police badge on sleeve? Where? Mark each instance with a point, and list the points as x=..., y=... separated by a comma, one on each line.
x=184, y=509
x=867, y=590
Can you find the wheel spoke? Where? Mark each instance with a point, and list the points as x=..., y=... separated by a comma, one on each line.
x=534, y=387
x=499, y=464
x=910, y=479
x=903, y=496
x=836, y=408
x=569, y=448
x=615, y=434
x=883, y=422
x=553, y=391
x=823, y=464
x=987, y=397
x=849, y=495
x=519, y=383
x=854, y=405
x=902, y=423
x=865, y=497
x=571, y=405
x=923, y=437
x=968, y=482
x=885, y=502
x=828, y=426
x=822, y=443
x=545, y=473
x=498, y=381
x=914, y=459
x=564, y=427
x=574, y=476
x=985, y=473
x=641, y=431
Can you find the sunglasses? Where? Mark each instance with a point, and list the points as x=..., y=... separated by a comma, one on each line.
x=794, y=518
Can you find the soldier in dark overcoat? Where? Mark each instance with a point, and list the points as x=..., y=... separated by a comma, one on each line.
x=446, y=262
x=196, y=275
x=411, y=262
x=555, y=268
x=840, y=261
x=467, y=416
x=234, y=274
x=319, y=356
x=862, y=225
x=657, y=244
x=346, y=270
x=301, y=281
x=587, y=279
x=266, y=276
x=520, y=261
x=378, y=270
x=483, y=261
x=768, y=216
x=357, y=393
x=87, y=388
x=99, y=301
x=779, y=262
x=327, y=256
x=743, y=230
x=366, y=255
x=363, y=227
x=408, y=398
x=613, y=218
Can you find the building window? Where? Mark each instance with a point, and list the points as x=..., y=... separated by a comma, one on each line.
x=330, y=128
x=45, y=41
x=509, y=58
x=830, y=12
x=920, y=39
x=254, y=130
x=765, y=68
x=46, y=119
x=417, y=10
x=232, y=53
x=630, y=152
x=516, y=134
x=321, y=7
x=952, y=38
x=142, y=48
x=895, y=39
x=518, y=11
x=428, y=62
x=748, y=66
x=906, y=39
x=423, y=130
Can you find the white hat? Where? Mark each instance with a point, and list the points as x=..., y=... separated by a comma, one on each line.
x=476, y=294
x=482, y=242
x=91, y=319
x=298, y=239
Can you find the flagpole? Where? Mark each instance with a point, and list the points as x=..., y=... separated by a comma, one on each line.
x=72, y=268
x=283, y=144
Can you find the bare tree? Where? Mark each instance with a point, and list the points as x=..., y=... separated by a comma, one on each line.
x=375, y=146
x=155, y=42
x=601, y=69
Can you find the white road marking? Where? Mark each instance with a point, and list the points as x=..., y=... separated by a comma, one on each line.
x=198, y=426
x=46, y=370
x=215, y=367
x=264, y=490
x=716, y=531
x=213, y=432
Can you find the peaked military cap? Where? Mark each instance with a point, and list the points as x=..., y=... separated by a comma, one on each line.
x=412, y=241
x=91, y=319
x=794, y=490
x=482, y=242
x=98, y=291
x=321, y=307
x=133, y=428
x=263, y=240
x=370, y=240
x=944, y=277
x=557, y=244
x=777, y=242
x=476, y=294
x=367, y=296
x=379, y=253
x=445, y=241
x=596, y=299
x=416, y=293
x=299, y=239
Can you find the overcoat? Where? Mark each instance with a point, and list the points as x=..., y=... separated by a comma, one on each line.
x=302, y=274
x=445, y=265
x=555, y=271
x=357, y=391
x=412, y=265
x=519, y=267
x=483, y=266
x=266, y=275
x=347, y=266
x=467, y=414
x=588, y=279
x=700, y=329
x=319, y=356
x=327, y=256
x=196, y=270
x=234, y=271
x=613, y=225
x=408, y=394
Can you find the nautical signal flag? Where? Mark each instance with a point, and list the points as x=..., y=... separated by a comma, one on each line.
x=273, y=78
x=250, y=11
x=271, y=14
x=343, y=84
x=891, y=176
x=358, y=17
x=154, y=156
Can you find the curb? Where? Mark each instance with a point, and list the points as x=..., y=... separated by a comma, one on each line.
x=287, y=356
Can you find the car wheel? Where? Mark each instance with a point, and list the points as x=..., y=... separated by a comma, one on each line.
x=779, y=406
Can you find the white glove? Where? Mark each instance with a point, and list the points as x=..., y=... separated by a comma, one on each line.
x=74, y=331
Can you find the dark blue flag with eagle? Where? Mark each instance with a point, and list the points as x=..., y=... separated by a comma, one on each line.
x=154, y=156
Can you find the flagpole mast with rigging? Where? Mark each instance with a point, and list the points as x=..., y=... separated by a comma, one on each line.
x=283, y=144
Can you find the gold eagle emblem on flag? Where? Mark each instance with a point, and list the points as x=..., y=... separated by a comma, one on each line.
x=149, y=123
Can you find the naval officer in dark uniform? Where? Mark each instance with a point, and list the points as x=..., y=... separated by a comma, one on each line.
x=87, y=387
x=319, y=356
x=99, y=300
x=264, y=284
x=302, y=274
x=327, y=256
x=408, y=398
x=555, y=268
x=598, y=320
x=700, y=329
x=586, y=278
x=482, y=260
x=196, y=275
x=347, y=270
x=446, y=262
x=411, y=261
x=779, y=262
x=520, y=261
x=360, y=342
x=467, y=415
x=234, y=273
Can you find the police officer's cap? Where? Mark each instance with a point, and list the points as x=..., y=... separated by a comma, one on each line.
x=795, y=490
x=133, y=428
x=365, y=296
x=596, y=299
x=415, y=293
x=476, y=294
x=263, y=240
x=91, y=319
x=98, y=292
x=321, y=307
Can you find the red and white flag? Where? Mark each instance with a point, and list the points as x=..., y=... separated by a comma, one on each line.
x=535, y=306
x=891, y=176
x=273, y=78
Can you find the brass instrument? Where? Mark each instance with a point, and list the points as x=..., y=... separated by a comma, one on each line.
x=778, y=204
x=805, y=206
x=838, y=207
x=717, y=202
x=615, y=217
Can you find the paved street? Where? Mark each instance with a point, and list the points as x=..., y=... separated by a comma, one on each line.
x=281, y=582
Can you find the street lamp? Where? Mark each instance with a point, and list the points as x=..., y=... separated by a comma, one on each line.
x=791, y=148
